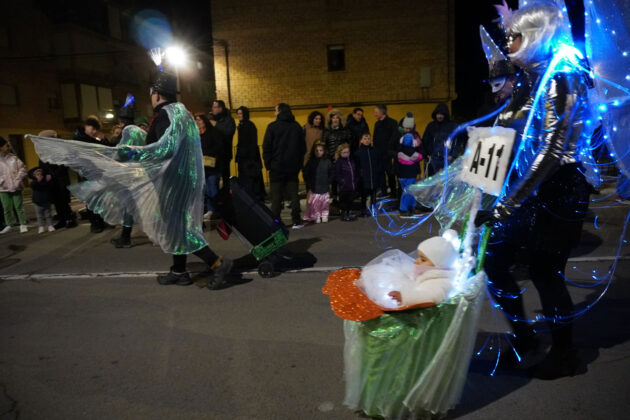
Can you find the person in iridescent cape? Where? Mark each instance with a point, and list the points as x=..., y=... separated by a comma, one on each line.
x=160, y=185
x=546, y=195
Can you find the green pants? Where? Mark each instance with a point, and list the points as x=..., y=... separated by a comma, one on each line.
x=11, y=201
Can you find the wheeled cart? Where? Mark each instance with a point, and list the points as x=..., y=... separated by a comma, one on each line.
x=259, y=230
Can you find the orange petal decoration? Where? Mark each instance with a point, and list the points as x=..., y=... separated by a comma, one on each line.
x=349, y=302
x=346, y=300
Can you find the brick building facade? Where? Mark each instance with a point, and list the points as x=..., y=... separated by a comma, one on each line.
x=394, y=52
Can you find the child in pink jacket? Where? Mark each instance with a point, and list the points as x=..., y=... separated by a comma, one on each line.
x=12, y=172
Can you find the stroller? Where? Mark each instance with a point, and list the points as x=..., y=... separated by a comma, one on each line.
x=254, y=224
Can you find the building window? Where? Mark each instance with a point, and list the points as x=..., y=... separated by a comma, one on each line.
x=8, y=95
x=336, y=57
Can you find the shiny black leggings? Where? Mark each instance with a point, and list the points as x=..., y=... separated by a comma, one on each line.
x=547, y=273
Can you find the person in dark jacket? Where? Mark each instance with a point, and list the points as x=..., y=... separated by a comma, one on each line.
x=212, y=150
x=317, y=176
x=160, y=121
x=87, y=133
x=248, y=155
x=346, y=177
x=283, y=153
x=385, y=140
x=41, y=185
x=358, y=127
x=60, y=195
x=223, y=121
x=370, y=171
x=434, y=138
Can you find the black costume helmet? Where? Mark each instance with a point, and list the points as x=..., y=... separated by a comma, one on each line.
x=502, y=68
x=165, y=84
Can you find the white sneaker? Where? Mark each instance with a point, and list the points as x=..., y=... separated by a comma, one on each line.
x=207, y=215
x=325, y=219
x=51, y=228
x=23, y=229
x=40, y=229
x=6, y=229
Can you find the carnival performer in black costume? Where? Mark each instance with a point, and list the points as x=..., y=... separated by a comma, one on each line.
x=547, y=195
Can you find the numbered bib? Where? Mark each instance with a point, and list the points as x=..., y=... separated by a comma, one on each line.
x=487, y=157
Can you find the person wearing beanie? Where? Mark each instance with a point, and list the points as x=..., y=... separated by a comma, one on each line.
x=408, y=121
x=433, y=271
x=12, y=173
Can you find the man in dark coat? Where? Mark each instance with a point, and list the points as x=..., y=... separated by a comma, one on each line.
x=283, y=153
x=358, y=126
x=385, y=140
x=223, y=121
x=87, y=133
x=435, y=135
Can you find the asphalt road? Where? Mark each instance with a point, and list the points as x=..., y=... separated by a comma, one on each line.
x=87, y=333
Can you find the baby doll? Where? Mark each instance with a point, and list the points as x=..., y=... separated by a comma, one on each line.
x=396, y=280
x=433, y=273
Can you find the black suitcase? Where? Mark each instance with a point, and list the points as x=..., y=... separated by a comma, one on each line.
x=253, y=222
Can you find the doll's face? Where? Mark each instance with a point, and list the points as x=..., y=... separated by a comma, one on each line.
x=319, y=151
x=423, y=260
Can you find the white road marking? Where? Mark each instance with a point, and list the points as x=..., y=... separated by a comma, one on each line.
x=127, y=274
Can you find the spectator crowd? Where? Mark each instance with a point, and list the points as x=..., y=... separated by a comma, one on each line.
x=341, y=160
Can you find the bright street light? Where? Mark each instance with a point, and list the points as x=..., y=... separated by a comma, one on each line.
x=176, y=56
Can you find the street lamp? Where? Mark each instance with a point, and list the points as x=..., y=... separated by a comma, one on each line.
x=177, y=57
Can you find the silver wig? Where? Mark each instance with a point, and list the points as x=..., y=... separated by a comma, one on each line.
x=542, y=28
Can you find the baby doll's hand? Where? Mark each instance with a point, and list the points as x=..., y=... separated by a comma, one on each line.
x=396, y=296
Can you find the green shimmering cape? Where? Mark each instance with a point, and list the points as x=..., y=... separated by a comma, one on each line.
x=160, y=185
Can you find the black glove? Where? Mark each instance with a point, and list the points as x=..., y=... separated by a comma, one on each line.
x=484, y=216
x=497, y=214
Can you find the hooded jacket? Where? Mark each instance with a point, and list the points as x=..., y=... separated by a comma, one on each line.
x=436, y=133
x=12, y=172
x=284, y=147
x=227, y=127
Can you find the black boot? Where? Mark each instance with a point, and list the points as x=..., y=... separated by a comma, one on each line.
x=559, y=362
x=180, y=279
x=219, y=273
x=521, y=343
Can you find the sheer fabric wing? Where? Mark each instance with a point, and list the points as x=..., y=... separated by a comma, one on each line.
x=160, y=185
